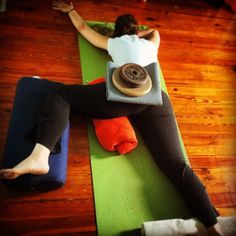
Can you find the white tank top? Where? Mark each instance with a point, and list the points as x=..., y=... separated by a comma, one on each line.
x=132, y=49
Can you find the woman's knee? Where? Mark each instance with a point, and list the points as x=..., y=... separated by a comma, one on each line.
x=175, y=170
x=182, y=175
x=58, y=94
x=62, y=92
x=57, y=100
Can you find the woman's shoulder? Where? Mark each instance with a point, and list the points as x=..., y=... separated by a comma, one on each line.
x=133, y=40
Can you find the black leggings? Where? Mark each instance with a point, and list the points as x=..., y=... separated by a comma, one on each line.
x=156, y=124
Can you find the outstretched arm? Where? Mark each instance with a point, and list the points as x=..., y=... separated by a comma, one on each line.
x=80, y=24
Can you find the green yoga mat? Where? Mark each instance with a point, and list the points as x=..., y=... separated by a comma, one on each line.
x=128, y=189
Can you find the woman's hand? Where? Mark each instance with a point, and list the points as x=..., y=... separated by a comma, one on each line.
x=62, y=6
x=80, y=24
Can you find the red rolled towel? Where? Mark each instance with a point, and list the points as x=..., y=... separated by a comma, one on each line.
x=115, y=134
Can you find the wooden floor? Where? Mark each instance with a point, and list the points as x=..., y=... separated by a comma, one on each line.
x=197, y=55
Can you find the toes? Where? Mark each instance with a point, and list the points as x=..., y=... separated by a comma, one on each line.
x=7, y=174
x=2, y=173
x=10, y=175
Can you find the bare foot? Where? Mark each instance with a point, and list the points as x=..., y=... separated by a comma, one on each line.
x=36, y=163
x=27, y=166
x=215, y=230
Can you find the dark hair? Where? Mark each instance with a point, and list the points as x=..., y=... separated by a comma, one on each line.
x=125, y=24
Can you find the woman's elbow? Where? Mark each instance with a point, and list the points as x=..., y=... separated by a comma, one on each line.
x=81, y=27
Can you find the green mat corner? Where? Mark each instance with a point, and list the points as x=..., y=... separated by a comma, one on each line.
x=128, y=189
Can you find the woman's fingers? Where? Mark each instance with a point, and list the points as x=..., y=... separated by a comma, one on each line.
x=61, y=6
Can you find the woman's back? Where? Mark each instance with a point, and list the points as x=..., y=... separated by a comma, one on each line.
x=132, y=49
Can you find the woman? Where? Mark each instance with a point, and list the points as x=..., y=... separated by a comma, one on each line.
x=156, y=123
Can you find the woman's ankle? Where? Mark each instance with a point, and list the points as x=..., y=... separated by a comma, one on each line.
x=40, y=151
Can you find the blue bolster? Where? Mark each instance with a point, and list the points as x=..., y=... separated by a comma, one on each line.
x=30, y=94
